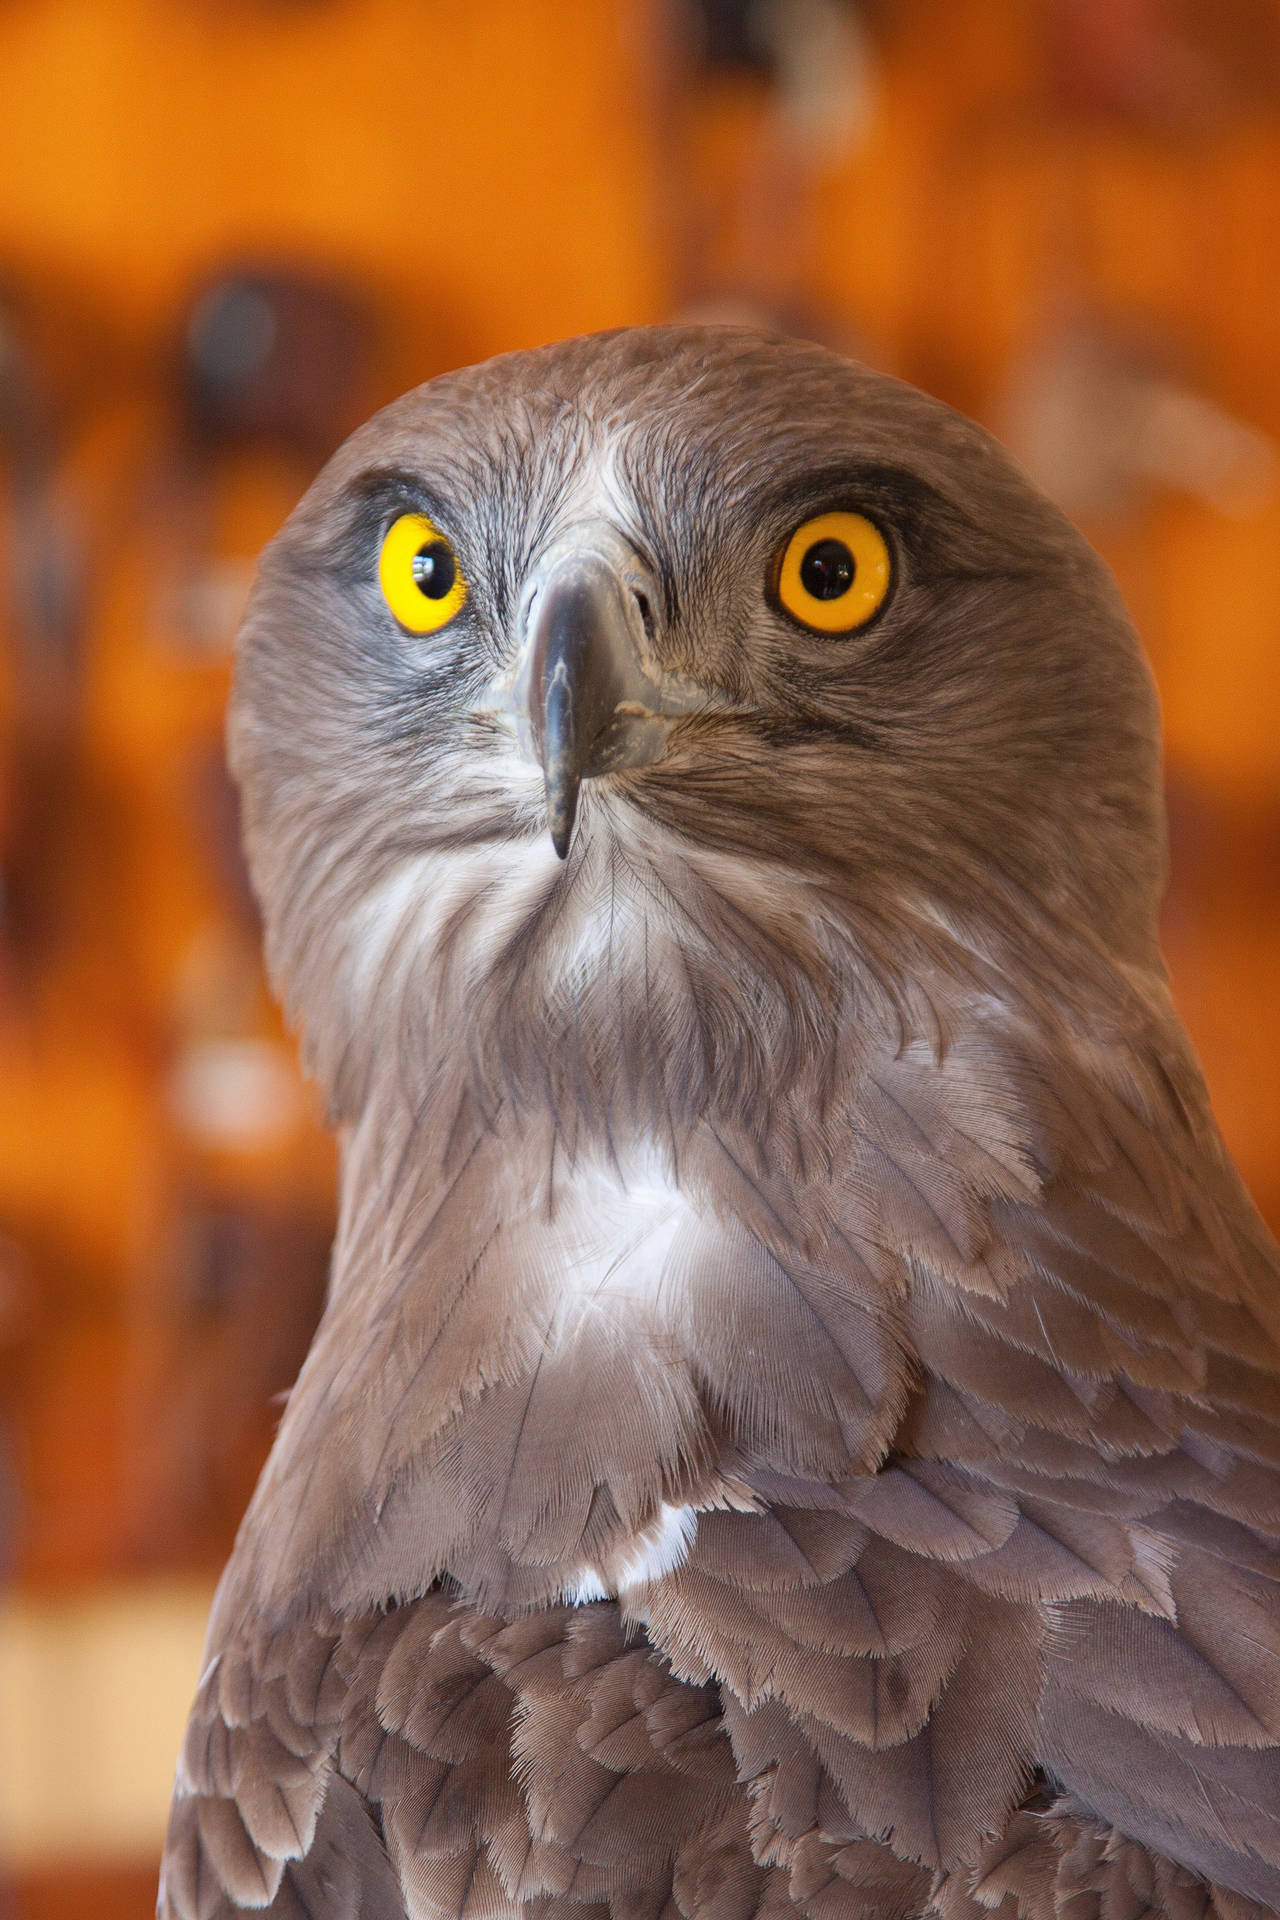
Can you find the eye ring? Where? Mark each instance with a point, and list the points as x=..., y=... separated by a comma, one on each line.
x=834, y=572
x=419, y=574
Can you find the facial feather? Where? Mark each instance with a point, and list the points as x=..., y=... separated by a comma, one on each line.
x=876, y=783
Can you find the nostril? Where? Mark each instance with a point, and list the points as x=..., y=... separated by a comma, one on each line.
x=646, y=612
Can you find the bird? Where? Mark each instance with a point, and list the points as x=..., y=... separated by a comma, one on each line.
x=795, y=1424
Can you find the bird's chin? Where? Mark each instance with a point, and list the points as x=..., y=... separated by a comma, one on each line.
x=632, y=739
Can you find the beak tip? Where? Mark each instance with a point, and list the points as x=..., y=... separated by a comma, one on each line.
x=562, y=810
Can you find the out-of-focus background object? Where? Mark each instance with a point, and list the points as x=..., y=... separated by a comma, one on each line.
x=228, y=230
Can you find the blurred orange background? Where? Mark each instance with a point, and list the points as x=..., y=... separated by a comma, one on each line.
x=228, y=230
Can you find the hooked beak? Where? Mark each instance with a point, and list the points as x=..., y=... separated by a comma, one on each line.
x=594, y=704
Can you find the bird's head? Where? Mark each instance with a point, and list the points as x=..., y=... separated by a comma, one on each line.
x=589, y=680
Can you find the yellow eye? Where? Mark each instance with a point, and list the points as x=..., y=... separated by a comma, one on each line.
x=835, y=572
x=419, y=574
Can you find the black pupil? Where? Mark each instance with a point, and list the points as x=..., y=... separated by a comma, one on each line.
x=434, y=569
x=827, y=569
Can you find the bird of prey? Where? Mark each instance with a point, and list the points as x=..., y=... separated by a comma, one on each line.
x=795, y=1425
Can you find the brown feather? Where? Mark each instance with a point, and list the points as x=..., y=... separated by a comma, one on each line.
x=796, y=1216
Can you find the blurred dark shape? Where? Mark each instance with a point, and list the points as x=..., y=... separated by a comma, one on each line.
x=1224, y=853
x=1239, y=40
x=244, y=1290
x=766, y=38
x=1218, y=937
x=16, y=1318
x=1107, y=56
x=276, y=353
x=1175, y=65
x=764, y=101
x=48, y=348
x=726, y=36
x=44, y=573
